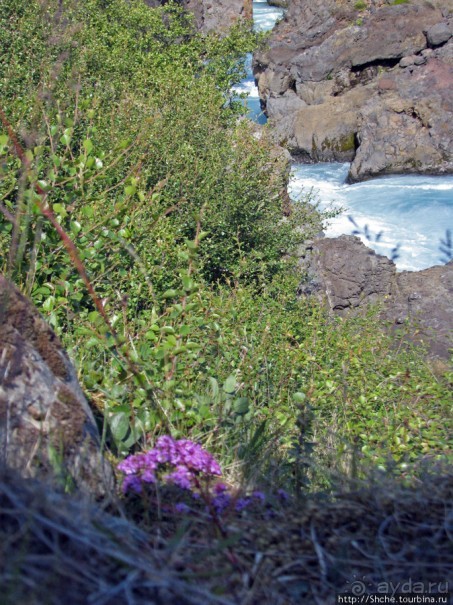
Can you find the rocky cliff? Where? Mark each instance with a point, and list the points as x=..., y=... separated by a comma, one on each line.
x=363, y=81
x=213, y=15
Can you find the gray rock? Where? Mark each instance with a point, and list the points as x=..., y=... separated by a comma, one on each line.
x=419, y=60
x=357, y=102
x=349, y=277
x=427, y=52
x=407, y=61
x=284, y=105
x=438, y=34
x=445, y=53
x=408, y=129
x=214, y=16
x=349, y=274
x=425, y=298
x=46, y=425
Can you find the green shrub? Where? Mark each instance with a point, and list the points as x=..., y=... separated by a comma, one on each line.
x=133, y=147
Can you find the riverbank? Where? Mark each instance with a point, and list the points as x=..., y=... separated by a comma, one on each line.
x=406, y=218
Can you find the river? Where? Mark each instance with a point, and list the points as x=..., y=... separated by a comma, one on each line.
x=404, y=217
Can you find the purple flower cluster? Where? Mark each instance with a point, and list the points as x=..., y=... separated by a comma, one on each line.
x=224, y=500
x=187, y=461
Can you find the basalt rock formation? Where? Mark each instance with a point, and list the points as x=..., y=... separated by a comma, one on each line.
x=349, y=276
x=368, y=82
x=214, y=15
x=47, y=428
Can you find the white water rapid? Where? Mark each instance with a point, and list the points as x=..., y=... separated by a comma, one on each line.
x=410, y=213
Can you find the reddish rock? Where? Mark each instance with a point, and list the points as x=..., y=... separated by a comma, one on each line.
x=386, y=84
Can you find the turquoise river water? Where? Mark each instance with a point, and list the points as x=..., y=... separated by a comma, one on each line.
x=412, y=213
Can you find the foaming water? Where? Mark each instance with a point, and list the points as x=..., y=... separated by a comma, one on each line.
x=264, y=19
x=265, y=16
x=410, y=211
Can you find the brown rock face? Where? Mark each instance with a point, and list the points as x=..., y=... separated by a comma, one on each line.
x=371, y=86
x=46, y=425
x=350, y=276
x=214, y=15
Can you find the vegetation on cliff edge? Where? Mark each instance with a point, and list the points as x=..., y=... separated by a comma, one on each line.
x=177, y=297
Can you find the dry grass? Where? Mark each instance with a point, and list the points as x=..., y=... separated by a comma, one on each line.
x=57, y=549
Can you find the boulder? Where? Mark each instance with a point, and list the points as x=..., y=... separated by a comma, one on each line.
x=349, y=277
x=407, y=61
x=439, y=34
x=404, y=129
x=338, y=82
x=348, y=273
x=46, y=425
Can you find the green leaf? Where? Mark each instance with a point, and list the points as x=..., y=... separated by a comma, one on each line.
x=44, y=185
x=49, y=303
x=119, y=425
x=193, y=346
x=214, y=387
x=170, y=293
x=179, y=350
x=60, y=210
x=171, y=341
x=167, y=330
x=130, y=190
x=42, y=290
x=229, y=386
x=241, y=405
x=75, y=227
x=88, y=211
x=299, y=397
x=187, y=282
x=88, y=146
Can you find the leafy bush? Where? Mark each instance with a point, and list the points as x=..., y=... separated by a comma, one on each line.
x=177, y=300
